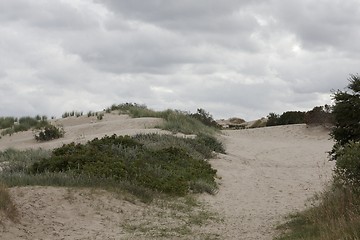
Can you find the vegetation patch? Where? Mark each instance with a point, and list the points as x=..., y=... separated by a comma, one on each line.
x=169, y=170
x=175, y=120
x=48, y=133
x=142, y=164
x=335, y=215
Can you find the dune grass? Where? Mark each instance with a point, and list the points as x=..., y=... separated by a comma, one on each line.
x=335, y=215
x=11, y=125
x=174, y=120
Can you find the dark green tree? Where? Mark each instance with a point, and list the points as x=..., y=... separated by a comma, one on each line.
x=320, y=115
x=273, y=119
x=347, y=113
x=205, y=117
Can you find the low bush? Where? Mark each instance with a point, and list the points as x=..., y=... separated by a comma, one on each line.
x=48, y=133
x=170, y=169
x=347, y=169
x=205, y=117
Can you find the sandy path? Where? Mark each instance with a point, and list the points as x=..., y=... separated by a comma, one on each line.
x=267, y=174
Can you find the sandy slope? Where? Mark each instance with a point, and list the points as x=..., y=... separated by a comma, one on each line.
x=84, y=128
x=267, y=174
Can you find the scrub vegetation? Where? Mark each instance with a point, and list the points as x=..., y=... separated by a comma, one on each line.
x=145, y=165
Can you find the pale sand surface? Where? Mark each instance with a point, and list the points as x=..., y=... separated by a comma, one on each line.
x=266, y=174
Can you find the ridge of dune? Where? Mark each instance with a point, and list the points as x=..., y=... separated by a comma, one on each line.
x=83, y=128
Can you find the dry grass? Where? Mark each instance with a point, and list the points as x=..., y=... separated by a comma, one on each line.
x=334, y=215
x=7, y=207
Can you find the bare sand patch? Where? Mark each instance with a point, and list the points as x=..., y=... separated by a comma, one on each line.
x=267, y=174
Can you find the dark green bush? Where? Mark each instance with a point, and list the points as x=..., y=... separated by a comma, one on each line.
x=169, y=170
x=320, y=115
x=347, y=113
x=289, y=117
x=48, y=133
x=205, y=118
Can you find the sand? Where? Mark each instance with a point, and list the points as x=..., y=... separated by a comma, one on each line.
x=266, y=174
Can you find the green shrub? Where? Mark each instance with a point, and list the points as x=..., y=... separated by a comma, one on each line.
x=100, y=116
x=289, y=117
x=169, y=170
x=348, y=164
x=205, y=118
x=346, y=112
x=6, y=122
x=175, y=120
x=48, y=133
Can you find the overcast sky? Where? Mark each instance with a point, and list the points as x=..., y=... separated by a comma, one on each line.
x=231, y=57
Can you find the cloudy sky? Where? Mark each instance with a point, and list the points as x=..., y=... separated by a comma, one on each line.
x=230, y=57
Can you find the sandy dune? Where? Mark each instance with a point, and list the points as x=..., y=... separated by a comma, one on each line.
x=266, y=174
x=84, y=128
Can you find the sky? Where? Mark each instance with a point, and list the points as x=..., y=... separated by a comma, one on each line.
x=233, y=58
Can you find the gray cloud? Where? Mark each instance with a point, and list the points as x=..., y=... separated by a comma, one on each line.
x=233, y=58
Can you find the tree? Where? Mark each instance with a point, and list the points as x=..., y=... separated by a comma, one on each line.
x=205, y=117
x=292, y=117
x=273, y=119
x=347, y=114
x=320, y=115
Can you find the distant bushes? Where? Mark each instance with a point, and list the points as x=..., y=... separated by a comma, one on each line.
x=320, y=115
x=169, y=168
x=72, y=114
x=44, y=131
x=290, y=117
x=12, y=125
